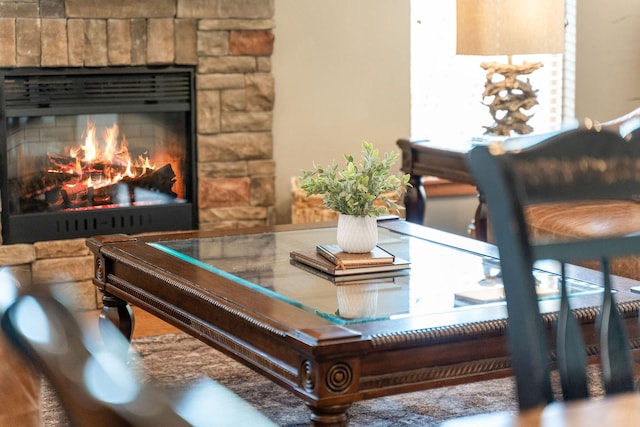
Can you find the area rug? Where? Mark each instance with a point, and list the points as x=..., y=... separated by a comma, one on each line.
x=172, y=361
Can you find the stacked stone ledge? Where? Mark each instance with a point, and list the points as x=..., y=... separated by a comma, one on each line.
x=65, y=265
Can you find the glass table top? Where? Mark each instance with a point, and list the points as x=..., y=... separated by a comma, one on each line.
x=440, y=278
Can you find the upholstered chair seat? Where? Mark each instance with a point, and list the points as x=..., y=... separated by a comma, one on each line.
x=588, y=220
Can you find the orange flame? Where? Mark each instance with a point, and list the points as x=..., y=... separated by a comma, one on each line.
x=112, y=156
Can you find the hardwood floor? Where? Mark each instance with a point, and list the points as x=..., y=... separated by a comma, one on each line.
x=148, y=325
x=145, y=324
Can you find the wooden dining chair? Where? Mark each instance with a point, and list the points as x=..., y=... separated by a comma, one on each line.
x=96, y=383
x=572, y=165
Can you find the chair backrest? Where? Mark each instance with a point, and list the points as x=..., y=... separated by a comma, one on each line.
x=95, y=386
x=627, y=125
x=93, y=375
x=573, y=165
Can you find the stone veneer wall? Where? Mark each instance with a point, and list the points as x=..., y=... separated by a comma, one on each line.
x=228, y=42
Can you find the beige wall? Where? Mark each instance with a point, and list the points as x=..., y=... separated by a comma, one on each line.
x=607, y=58
x=341, y=70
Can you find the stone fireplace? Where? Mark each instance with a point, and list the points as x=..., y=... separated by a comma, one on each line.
x=228, y=44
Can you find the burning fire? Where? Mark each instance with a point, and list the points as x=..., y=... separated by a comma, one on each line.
x=103, y=167
x=94, y=173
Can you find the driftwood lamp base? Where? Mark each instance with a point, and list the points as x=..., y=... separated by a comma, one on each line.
x=509, y=97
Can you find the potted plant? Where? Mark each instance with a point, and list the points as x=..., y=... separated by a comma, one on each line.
x=353, y=193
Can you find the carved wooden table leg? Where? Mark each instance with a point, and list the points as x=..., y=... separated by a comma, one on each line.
x=333, y=416
x=119, y=313
x=481, y=220
x=415, y=200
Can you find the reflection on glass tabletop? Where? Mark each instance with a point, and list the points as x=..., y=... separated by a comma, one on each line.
x=441, y=278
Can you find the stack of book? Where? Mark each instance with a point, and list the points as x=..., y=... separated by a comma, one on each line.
x=331, y=260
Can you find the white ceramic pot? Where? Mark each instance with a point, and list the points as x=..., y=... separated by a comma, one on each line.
x=357, y=234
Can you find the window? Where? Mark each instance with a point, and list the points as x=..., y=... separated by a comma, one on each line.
x=446, y=89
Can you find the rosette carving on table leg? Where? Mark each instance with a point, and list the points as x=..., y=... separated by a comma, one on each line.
x=339, y=377
x=308, y=376
x=99, y=269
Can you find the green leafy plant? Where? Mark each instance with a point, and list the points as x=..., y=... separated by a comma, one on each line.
x=354, y=190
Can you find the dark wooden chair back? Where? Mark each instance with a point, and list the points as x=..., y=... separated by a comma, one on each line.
x=572, y=165
x=47, y=334
x=96, y=383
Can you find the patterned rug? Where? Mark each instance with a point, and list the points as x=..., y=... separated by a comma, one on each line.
x=172, y=361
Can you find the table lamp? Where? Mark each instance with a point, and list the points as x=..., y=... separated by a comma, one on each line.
x=509, y=27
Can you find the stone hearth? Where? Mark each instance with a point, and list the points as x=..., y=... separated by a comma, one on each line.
x=229, y=44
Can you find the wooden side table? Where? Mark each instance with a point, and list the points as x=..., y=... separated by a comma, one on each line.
x=422, y=158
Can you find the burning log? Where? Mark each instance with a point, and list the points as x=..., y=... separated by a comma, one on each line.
x=155, y=180
x=73, y=167
x=62, y=163
x=38, y=184
x=61, y=188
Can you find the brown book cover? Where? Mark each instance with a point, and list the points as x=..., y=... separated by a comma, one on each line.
x=349, y=279
x=315, y=260
x=346, y=260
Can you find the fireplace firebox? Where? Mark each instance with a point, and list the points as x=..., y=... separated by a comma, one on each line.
x=96, y=151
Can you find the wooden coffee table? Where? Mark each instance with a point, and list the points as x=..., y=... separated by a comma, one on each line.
x=238, y=292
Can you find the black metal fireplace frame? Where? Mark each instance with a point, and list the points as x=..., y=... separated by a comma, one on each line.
x=45, y=92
